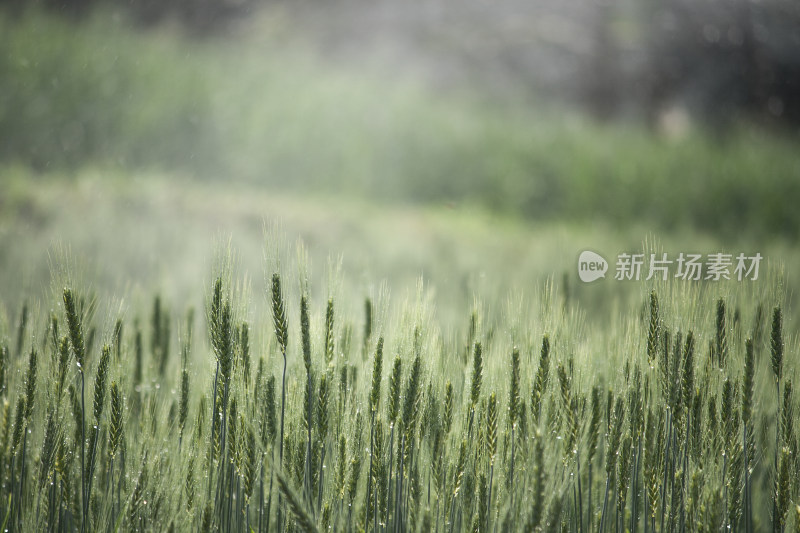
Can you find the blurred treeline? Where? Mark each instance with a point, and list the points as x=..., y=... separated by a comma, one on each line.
x=214, y=89
x=719, y=59
x=197, y=15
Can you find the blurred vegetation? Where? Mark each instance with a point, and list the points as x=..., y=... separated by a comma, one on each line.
x=725, y=58
x=264, y=109
x=98, y=93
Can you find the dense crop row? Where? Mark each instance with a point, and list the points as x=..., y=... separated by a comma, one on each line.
x=396, y=426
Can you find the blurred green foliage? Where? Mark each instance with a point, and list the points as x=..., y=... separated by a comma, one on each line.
x=72, y=94
x=265, y=110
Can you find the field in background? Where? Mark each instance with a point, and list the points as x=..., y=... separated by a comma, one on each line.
x=265, y=108
x=137, y=235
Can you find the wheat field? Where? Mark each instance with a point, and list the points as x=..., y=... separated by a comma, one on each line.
x=676, y=415
x=410, y=347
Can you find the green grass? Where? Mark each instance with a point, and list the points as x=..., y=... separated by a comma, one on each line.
x=413, y=425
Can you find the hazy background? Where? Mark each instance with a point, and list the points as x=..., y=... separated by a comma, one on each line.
x=479, y=144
